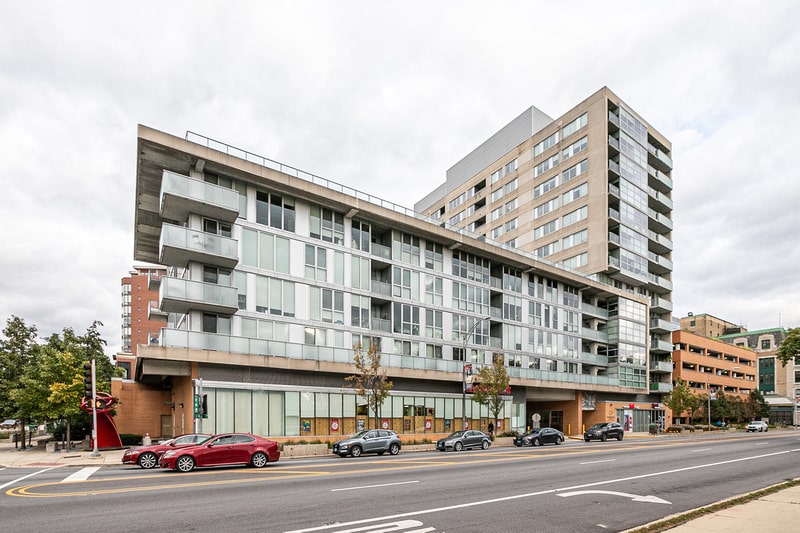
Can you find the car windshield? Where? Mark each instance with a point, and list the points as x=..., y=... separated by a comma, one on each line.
x=599, y=426
x=456, y=434
x=358, y=435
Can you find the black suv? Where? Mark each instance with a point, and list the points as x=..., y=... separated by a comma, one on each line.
x=604, y=431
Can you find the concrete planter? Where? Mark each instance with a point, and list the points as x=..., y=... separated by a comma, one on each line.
x=304, y=450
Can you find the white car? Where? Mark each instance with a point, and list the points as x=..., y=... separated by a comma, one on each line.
x=758, y=425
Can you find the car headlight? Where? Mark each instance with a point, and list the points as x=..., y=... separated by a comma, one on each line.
x=343, y=446
x=169, y=454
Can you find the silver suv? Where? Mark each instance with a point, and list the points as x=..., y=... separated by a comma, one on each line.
x=377, y=441
x=758, y=425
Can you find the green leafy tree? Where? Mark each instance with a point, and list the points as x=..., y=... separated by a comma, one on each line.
x=18, y=351
x=370, y=380
x=756, y=407
x=789, y=350
x=681, y=399
x=492, y=384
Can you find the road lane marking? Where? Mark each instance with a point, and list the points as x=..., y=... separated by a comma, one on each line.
x=375, y=486
x=633, y=497
x=24, y=477
x=531, y=494
x=81, y=475
x=599, y=461
x=701, y=450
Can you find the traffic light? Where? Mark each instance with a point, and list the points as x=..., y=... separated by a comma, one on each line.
x=87, y=381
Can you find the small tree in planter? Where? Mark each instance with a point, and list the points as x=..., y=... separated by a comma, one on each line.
x=370, y=379
x=492, y=384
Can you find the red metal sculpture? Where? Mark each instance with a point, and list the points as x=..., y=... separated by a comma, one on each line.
x=107, y=433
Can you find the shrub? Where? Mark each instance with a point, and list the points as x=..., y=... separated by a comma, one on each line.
x=130, y=439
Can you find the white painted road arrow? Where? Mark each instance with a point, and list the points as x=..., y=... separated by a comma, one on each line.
x=634, y=497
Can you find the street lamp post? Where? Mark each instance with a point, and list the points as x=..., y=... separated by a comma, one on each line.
x=464, y=373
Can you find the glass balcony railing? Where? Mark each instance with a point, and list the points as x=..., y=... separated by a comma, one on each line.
x=181, y=245
x=182, y=295
x=181, y=195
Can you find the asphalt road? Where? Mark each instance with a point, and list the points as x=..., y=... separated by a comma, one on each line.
x=577, y=486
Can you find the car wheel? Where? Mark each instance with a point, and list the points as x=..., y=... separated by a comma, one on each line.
x=458, y=446
x=559, y=440
x=355, y=451
x=535, y=442
x=603, y=437
x=485, y=445
x=619, y=437
x=148, y=460
x=259, y=459
x=766, y=429
x=185, y=463
x=587, y=440
x=394, y=448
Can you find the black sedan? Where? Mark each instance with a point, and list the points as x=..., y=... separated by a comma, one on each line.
x=459, y=440
x=539, y=436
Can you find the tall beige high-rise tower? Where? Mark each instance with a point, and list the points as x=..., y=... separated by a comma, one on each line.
x=589, y=190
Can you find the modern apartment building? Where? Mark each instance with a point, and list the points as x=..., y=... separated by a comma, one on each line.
x=779, y=384
x=141, y=319
x=709, y=366
x=589, y=190
x=274, y=274
x=709, y=325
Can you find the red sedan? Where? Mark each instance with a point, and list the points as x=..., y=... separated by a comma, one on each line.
x=148, y=456
x=221, y=450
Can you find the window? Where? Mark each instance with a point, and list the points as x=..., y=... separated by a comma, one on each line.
x=546, y=229
x=496, y=195
x=434, y=258
x=326, y=224
x=574, y=148
x=216, y=227
x=512, y=309
x=511, y=186
x=316, y=263
x=575, y=216
x=545, y=144
x=545, y=165
x=455, y=202
x=496, y=213
x=359, y=311
x=433, y=290
x=547, y=249
x=217, y=276
x=468, y=297
x=327, y=305
x=360, y=233
x=511, y=224
x=496, y=175
x=274, y=210
x=434, y=351
x=576, y=261
x=545, y=187
x=359, y=272
x=405, y=248
x=512, y=279
x=574, y=171
x=575, y=239
x=511, y=166
x=543, y=209
x=574, y=126
x=213, y=323
x=470, y=267
x=458, y=217
x=574, y=194
x=406, y=348
x=265, y=251
x=497, y=232
x=405, y=319
x=433, y=324
x=510, y=206
x=405, y=283
x=275, y=296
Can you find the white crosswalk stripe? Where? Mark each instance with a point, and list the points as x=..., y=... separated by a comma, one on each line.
x=81, y=475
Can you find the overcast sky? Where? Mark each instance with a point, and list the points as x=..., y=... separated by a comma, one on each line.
x=384, y=97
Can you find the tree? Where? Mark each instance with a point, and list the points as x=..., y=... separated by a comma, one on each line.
x=492, y=385
x=18, y=351
x=756, y=407
x=370, y=379
x=790, y=347
x=681, y=399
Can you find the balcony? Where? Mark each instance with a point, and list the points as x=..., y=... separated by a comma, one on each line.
x=179, y=246
x=659, y=222
x=660, y=326
x=613, y=118
x=657, y=345
x=183, y=295
x=594, y=359
x=660, y=180
x=593, y=310
x=594, y=335
x=613, y=190
x=155, y=313
x=664, y=388
x=658, y=263
x=659, y=243
x=613, y=166
x=381, y=289
x=659, y=199
x=660, y=305
x=181, y=195
x=664, y=367
x=381, y=251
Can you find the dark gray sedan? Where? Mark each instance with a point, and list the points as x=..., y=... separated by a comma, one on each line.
x=377, y=441
x=459, y=440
